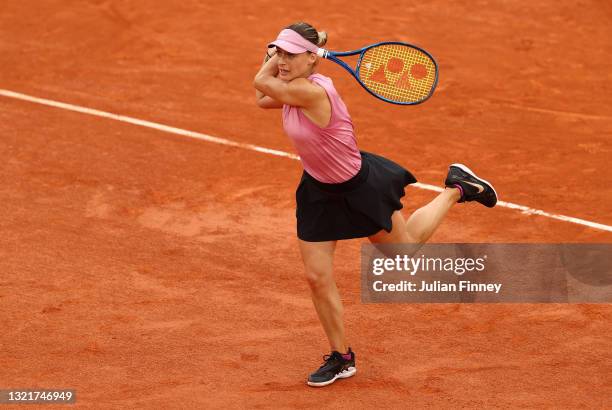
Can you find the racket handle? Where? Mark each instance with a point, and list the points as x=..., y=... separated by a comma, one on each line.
x=323, y=53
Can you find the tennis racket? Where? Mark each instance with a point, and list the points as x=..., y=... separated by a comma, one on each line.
x=395, y=72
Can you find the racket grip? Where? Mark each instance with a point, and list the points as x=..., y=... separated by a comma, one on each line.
x=268, y=55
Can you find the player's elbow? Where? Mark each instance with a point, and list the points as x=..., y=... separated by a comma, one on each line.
x=258, y=83
x=268, y=102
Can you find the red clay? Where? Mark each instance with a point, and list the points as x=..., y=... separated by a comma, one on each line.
x=145, y=269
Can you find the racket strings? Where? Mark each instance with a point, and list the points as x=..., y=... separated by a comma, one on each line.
x=398, y=72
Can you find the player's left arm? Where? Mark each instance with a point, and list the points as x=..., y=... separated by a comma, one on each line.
x=298, y=93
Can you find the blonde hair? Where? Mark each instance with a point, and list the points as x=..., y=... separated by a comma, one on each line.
x=318, y=38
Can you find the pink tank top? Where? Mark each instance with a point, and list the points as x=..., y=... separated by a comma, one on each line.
x=328, y=154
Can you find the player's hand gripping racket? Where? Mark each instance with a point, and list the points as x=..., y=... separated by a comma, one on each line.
x=395, y=72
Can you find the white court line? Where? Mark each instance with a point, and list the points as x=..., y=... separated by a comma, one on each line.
x=209, y=138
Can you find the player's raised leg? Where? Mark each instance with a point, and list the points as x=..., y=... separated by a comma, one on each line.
x=462, y=185
x=421, y=224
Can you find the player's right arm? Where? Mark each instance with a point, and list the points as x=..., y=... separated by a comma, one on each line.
x=298, y=92
x=264, y=101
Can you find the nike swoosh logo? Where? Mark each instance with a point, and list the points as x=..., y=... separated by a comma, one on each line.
x=478, y=186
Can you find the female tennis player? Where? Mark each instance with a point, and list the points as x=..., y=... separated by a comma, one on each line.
x=344, y=192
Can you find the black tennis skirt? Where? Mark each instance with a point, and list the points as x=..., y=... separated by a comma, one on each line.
x=357, y=208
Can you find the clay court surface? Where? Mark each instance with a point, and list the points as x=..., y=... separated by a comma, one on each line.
x=147, y=269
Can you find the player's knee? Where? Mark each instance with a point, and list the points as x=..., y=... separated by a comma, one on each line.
x=416, y=239
x=318, y=277
x=413, y=238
